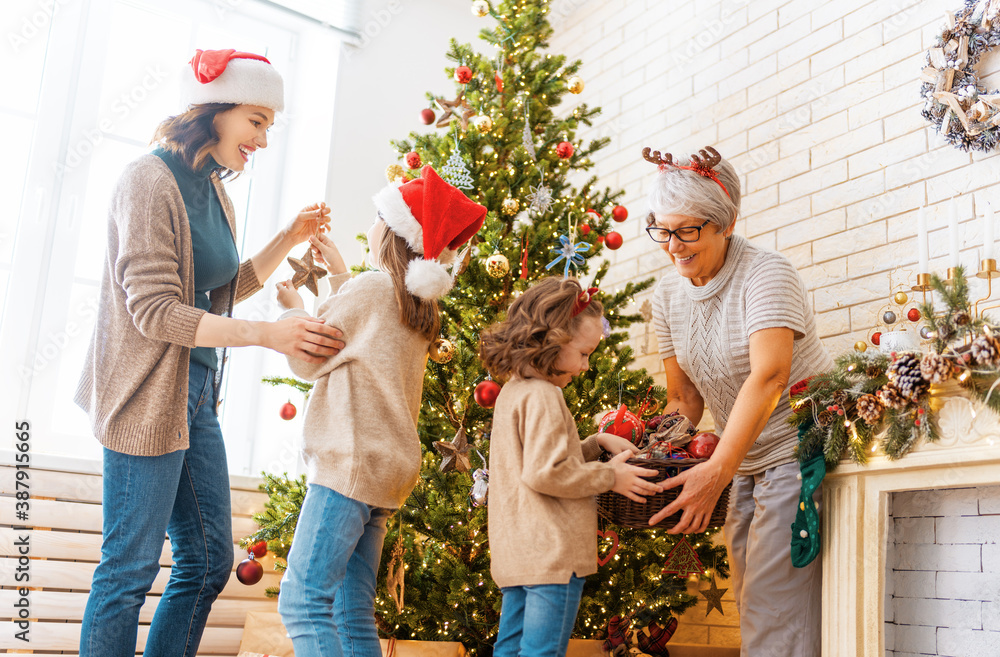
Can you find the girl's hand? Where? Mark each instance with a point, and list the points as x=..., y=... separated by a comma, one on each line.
x=311, y=220
x=305, y=338
x=703, y=484
x=629, y=479
x=288, y=296
x=326, y=253
x=614, y=445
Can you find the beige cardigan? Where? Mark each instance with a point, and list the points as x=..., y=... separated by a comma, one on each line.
x=360, y=429
x=135, y=376
x=543, y=479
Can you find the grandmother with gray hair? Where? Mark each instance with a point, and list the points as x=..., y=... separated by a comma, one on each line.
x=734, y=326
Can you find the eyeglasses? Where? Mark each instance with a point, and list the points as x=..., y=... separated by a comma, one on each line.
x=685, y=234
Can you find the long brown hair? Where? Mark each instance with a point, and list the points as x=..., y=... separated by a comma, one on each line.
x=538, y=324
x=192, y=134
x=394, y=256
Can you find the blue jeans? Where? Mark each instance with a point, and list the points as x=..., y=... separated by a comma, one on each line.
x=327, y=600
x=536, y=621
x=184, y=494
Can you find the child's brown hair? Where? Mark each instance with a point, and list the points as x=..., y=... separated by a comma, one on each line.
x=394, y=256
x=538, y=324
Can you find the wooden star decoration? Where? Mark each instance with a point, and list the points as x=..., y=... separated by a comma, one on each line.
x=449, y=108
x=455, y=454
x=307, y=272
x=714, y=597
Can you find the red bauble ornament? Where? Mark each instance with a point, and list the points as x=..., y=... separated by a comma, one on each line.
x=499, y=81
x=913, y=315
x=585, y=229
x=613, y=240
x=486, y=393
x=463, y=74
x=258, y=549
x=620, y=213
x=564, y=150
x=413, y=160
x=287, y=411
x=600, y=239
x=702, y=445
x=427, y=116
x=876, y=338
x=622, y=422
x=249, y=571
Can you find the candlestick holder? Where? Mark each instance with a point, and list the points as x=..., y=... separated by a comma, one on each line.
x=923, y=284
x=951, y=275
x=988, y=270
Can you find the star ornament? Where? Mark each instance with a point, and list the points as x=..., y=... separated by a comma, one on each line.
x=458, y=108
x=455, y=454
x=307, y=272
x=714, y=596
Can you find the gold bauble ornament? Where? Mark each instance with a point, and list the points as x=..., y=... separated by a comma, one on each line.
x=510, y=205
x=442, y=350
x=483, y=123
x=497, y=265
x=575, y=84
x=900, y=298
x=480, y=8
x=394, y=172
x=861, y=345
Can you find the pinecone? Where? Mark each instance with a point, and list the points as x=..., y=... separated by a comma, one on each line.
x=869, y=408
x=985, y=350
x=872, y=371
x=962, y=318
x=824, y=418
x=890, y=396
x=904, y=374
x=840, y=398
x=944, y=330
x=936, y=368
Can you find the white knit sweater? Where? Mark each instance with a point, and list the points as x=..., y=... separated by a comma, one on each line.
x=708, y=329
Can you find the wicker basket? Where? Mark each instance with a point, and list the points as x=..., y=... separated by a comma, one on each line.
x=623, y=512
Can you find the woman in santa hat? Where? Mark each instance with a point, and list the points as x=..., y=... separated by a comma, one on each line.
x=150, y=384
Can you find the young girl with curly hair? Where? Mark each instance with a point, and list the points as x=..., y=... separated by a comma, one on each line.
x=543, y=478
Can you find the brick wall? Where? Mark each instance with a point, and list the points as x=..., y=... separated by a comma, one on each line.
x=943, y=573
x=817, y=105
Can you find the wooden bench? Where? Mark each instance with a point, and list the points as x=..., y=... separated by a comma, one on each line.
x=64, y=545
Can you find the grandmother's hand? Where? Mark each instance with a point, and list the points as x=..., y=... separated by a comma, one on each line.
x=702, y=486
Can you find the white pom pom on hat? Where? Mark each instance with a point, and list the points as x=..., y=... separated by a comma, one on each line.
x=435, y=218
x=230, y=76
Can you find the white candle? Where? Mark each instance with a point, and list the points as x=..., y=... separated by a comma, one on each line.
x=953, y=232
x=922, y=241
x=988, y=233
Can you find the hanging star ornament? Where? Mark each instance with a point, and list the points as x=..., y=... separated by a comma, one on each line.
x=307, y=272
x=458, y=108
x=455, y=454
x=714, y=597
x=570, y=253
x=540, y=199
x=683, y=560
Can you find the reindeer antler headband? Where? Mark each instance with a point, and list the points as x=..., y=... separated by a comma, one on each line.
x=702, y=164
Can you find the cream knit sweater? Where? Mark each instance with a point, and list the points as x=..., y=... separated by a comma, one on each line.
x=360, y=433
x=135, y=377
x=543, y=479
x=708, y=329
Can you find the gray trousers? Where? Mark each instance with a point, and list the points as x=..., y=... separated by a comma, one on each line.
x=779, y=604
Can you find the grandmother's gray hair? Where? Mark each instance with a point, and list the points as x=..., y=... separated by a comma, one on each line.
x=680, y=191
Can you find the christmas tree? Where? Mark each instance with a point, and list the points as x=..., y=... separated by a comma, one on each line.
x=507, y=132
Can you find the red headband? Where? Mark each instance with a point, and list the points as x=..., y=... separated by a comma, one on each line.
x=703, y=165
x=583, y=300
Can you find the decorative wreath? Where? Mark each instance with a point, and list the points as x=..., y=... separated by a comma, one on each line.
x=955, y=102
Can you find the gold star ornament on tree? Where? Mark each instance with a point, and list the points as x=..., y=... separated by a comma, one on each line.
x=307, y=272
x=455, y=453
x=458, y=108
x=714, y=596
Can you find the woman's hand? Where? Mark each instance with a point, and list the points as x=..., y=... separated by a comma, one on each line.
x=311, y=220
x=305, y=338
x=326, y=253
x=629, y=479
x=703, y=484
x=615, y=445
x=288, y=296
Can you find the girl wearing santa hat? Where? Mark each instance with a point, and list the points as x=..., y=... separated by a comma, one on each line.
x=360, y=433
x=150, y=382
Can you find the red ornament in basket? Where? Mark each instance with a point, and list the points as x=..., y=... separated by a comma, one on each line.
x=624, y=423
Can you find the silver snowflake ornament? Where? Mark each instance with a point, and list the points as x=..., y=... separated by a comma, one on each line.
x=540, y=199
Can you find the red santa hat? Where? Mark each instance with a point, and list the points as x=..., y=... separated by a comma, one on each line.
x=229, y=76
x=436, y=219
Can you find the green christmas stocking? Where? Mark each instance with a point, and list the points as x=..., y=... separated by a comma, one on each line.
x=805, y=529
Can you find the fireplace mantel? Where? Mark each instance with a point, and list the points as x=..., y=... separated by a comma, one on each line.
x=855, y=517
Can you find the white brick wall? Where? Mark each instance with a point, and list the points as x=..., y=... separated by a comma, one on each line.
x=816, y=104
x=942, y=585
